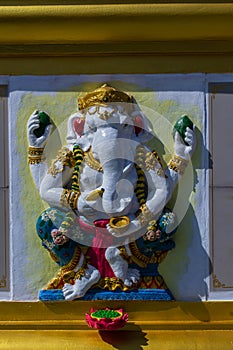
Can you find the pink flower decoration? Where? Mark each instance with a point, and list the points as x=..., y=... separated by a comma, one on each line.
x=106, y=319
x=58, y=237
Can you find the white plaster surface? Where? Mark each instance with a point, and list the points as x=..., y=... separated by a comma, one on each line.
x=186, y=270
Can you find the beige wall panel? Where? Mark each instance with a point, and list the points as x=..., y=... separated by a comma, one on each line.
x=222, y=185
x=222, y=238
x=222, y=106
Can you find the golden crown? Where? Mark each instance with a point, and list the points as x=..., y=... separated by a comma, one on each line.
x=103, y=96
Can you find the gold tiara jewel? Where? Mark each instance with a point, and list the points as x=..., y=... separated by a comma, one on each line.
x=103, y=96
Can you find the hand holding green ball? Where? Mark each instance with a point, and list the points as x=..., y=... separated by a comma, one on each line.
x=44, y=120
x=181, y=125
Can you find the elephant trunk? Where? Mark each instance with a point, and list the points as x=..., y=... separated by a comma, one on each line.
x=111, y=153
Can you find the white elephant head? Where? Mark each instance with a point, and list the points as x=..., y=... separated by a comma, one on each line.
x=113, y=129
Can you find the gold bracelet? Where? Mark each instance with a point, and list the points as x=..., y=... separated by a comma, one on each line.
x=35, y=151
x=73, y=200
x=69, y=198
x=64, y=200
x=35, y=155
x=35, y=159
x=144, y=215
x=178, y=164
x=152, y=225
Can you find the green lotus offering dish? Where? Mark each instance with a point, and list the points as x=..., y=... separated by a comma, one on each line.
x=106, y=319
x=106, y=314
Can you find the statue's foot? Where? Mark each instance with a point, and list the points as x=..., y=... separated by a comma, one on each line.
x=133, y=276
x=81, y=286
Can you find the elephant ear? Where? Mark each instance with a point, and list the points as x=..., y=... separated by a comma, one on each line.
x=75, y=131
x=138, y=125
x=143, y=129
x=72, y=136
x=78, y=125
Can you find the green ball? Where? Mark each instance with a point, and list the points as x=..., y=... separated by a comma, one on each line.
x=44, y=121
x=181, y=126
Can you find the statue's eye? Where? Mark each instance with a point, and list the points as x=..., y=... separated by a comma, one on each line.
x=92, y=128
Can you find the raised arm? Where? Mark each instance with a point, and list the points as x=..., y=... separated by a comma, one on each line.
x=183, y=151
x=37, y=142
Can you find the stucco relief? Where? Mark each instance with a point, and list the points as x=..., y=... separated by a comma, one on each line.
x=107, y=225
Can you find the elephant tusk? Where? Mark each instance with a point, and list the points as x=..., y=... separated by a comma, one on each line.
x=94, y=195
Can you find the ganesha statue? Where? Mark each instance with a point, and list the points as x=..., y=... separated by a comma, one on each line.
x=107, y=225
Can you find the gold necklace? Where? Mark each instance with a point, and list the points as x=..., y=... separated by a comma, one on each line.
x=91, y=161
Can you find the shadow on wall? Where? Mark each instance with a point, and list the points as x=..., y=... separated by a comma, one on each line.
x=187, y=267
x=205, y=162
x=124, y=340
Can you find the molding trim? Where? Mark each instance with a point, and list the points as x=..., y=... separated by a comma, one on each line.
x=99, y=37
x=147, y=315
x=115, y=23
x=180, y=325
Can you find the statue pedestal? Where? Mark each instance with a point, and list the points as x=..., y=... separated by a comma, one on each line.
x=97, y=294
x=151, y=287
